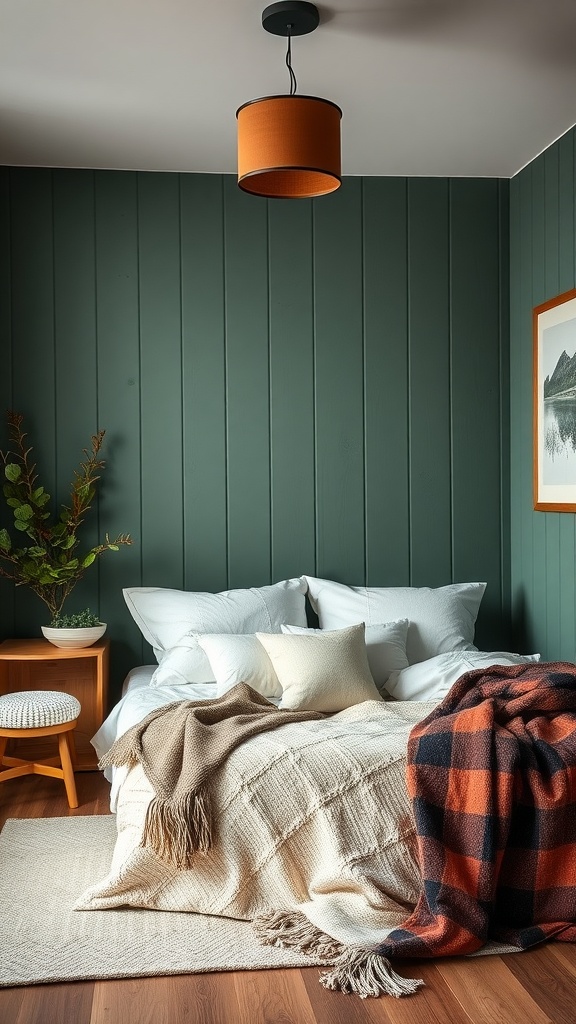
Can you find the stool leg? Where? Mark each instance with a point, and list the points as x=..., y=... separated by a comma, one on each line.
x=67, y=768
x=3, y=742
x=72, y=749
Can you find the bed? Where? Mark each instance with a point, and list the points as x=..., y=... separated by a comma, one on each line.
x=312, y=819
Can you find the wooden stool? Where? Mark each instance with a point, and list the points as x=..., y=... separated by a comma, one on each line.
x=29, y=713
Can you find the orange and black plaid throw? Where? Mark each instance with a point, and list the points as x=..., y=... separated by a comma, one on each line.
x=492, y=778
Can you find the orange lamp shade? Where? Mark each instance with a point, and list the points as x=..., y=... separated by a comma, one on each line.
x=289, y=147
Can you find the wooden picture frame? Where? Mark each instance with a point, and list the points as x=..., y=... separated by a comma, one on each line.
x=554, y=398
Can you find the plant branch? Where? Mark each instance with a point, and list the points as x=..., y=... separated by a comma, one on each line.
x=49, y=565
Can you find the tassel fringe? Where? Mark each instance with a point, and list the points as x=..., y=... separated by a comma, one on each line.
x=367, y=974
x=292, y=930
x=177, y=830
x=111, y=759
x=354, y=969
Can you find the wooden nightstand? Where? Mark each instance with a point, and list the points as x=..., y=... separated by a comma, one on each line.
x=39, y=665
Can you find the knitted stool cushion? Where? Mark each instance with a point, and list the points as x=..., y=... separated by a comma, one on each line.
x=36, y=709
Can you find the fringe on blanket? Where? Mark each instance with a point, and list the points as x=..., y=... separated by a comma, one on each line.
x=292, y=930
x=178, y=829
x=175, y=829
x=354, y=969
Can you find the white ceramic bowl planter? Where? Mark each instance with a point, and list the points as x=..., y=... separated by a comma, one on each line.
x=82, y=636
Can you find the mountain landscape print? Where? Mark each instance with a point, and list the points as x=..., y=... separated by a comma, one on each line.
x=559, y=455
x=554, y=396
x=562, y=382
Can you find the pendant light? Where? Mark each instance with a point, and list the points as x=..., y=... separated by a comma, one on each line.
x=289, y=146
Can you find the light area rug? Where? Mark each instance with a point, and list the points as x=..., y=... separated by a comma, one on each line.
x=45, y=865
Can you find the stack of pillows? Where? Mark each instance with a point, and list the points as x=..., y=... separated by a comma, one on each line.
x=408, y=643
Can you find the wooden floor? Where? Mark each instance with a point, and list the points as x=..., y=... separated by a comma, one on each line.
x=528, y=988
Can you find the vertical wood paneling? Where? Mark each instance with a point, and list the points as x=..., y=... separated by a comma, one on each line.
x=76, y=375
x=539, y=564
x=430, y=383
x=118, y=353
x=160, y=380
x=33, y=363
x=519, y=396
x=566, y=278
x=542, y=264
x=551, y=248
x=387, y=440
x=248, y=387
x=551, y=275
x=525, y=417
x=504, y=407
x=339, y=385
x=286, y=388
x=566, y=211
x=292, y=416
x=7, y=617
x=204, y=383
x=475, y=391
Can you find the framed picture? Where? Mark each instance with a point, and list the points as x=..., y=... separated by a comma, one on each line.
x=554, y=328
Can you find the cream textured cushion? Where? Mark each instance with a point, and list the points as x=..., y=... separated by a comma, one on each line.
x=37, y=709
x=239, y=659
x=441, y=619
x=172, y=618
x=431, y=680
x=325, y=671
x=385, y=647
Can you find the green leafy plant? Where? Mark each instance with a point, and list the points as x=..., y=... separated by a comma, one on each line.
x=78, y=620
x=51, y=563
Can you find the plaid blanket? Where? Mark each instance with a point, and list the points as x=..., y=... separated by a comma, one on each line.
x=491, y=774
x=492, y=778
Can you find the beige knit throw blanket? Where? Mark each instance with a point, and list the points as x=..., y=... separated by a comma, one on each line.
x=180, y=746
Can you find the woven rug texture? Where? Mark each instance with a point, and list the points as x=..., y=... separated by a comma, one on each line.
x=47, y=863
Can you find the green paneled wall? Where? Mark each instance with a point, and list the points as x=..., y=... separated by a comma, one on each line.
x=542, y=248
x=286, y=387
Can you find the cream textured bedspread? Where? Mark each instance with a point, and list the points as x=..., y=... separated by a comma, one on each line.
x=311, y=816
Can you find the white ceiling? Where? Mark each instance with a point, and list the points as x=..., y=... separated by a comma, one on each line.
x=427, y=87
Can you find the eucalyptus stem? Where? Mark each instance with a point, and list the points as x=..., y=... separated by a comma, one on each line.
x=51, y=564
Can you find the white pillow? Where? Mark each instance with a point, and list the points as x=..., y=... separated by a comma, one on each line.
x=165, y=617
x=441, y=619
x=431, y=680
x=182, y=664
x=385, y=647
x=239, y=659
x=325, y=671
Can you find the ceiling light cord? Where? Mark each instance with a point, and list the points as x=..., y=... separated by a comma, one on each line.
x=293, y=82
